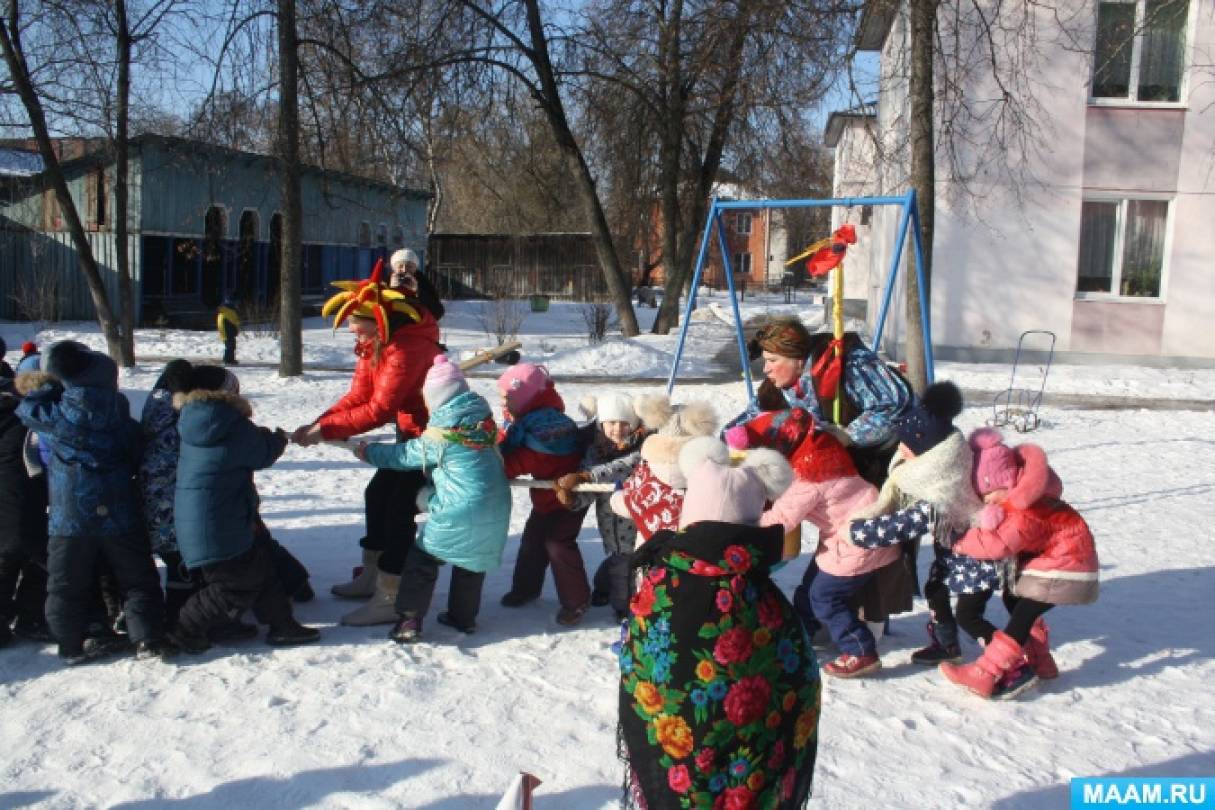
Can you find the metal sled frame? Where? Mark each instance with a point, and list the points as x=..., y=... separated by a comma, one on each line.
x=1023, y=414
x=910, y=221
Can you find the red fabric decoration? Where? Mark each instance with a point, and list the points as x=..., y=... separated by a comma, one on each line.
x=828, y=369
x=828, y=258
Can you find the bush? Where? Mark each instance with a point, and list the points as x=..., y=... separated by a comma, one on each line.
x=599, y=318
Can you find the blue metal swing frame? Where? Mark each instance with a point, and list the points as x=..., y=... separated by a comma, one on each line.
x=910, y=220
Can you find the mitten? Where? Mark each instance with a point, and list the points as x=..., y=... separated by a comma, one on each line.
x=736, y=438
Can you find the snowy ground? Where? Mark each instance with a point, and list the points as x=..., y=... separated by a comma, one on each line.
x=358, y=722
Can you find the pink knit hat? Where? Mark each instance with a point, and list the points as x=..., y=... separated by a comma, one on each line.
x=996, y=464
x=717, y=491
x=522, y=383
x=443, y=381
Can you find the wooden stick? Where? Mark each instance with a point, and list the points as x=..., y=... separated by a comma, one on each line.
x=489, y=355
x=531, y=483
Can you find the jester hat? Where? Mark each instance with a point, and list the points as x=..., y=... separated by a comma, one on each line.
x=369, y=298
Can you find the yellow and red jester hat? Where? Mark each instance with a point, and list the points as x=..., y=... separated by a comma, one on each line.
x=369, y=298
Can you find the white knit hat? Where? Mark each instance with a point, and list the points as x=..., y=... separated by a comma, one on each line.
x=611, y=408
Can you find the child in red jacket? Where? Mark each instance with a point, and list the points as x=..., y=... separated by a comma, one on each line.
x=1052, y=548
x=539, y=440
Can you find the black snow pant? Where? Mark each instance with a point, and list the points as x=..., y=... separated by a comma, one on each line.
x=291, y=572
x=418, y=579
x=968, y=615
x=180, y=585
x=72, y=566
x=233, y=586
x=230, y=350
x=390, y=503
x=619, y=537
x=22, y=590
x=1022, y=613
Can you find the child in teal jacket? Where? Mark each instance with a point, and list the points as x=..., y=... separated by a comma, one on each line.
x=468, y=502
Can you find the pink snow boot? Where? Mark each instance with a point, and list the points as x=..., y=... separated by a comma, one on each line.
x=1037, y=651
x=1001, y=655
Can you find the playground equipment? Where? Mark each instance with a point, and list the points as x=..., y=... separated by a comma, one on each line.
x=1018, y=405
x=909, y=221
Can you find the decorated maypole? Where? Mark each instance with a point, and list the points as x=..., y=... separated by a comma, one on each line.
x=827, y=255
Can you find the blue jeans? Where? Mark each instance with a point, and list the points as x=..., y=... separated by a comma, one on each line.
x=823, y=600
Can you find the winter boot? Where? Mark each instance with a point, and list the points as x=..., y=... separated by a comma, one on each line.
x=363, y=585
x=1015, y=681
x=600, y=598
x=291, y=634
x=187, y=641
x=571, y=616
x=512, y=599
x=1001, y=655
x=943, y=645
x=32, y=630
x=160, y=648
x=303, y=593
x=408, y=630
x=1037, y=651
x=6, y=635
x=853, y=666
x=445, y=618
x=381, y=608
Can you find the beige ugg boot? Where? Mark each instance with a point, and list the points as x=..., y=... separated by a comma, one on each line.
x=363, y=585
x=381, y=608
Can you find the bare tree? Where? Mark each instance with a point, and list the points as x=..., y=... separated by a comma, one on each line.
x=22, y=81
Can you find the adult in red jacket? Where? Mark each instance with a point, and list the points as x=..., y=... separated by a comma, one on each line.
x=396, y=341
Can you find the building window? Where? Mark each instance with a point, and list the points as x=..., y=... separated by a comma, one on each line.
x=1140, y=49
x=398, y=237
x=364, y=234
x=742, y=264
x=742, y=224
x=381, y=236
x=94, y=188
x=866, y=215
x=1122, y=247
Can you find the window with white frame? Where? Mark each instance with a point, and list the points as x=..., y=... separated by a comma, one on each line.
x=1139, y=53
x=1122, y=247
x=742, y=224
x=742, y=264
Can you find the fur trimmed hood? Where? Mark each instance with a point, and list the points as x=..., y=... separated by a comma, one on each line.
x=941, y=476
x=1036, y=479
x=30, y=381
x=236, y=401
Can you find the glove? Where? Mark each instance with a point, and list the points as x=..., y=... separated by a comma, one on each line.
x=571, y=480
x=991, y=516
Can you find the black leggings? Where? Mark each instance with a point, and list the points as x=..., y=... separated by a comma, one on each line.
x=969, y=613
x=1022, y=613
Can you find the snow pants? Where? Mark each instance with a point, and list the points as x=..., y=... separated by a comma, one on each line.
x=551, y=538
x=390, y=506
x=418, y=579
x=619, y=538
x=233, y=586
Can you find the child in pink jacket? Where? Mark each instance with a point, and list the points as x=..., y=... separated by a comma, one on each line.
x=826, y=489
x=1055, y=560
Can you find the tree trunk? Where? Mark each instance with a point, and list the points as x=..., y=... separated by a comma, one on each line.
x=923, y=180
x=14, y=57
x=291, y=344
x=618, y=287
x=670, y=170
x=126, y=295
x=689, y=231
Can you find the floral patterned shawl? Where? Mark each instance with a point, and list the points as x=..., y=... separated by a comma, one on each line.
x=719, y=688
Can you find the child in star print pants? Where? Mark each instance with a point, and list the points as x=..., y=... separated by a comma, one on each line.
x=972, y=581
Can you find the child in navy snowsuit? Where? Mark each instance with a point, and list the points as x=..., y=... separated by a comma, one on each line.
x=94, y=513
x=215, y=517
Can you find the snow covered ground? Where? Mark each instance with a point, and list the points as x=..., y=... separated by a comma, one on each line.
x=358, y=722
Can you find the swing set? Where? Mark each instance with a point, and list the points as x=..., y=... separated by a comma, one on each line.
x=826, y=254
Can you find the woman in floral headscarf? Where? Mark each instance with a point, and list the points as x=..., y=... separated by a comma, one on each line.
x=719, y=689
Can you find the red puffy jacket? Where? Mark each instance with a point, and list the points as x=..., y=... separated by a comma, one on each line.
x=389, y=387
x=1056, y=555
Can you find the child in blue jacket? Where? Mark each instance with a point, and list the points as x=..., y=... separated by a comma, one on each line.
x=468, y=502
x=215, y=517
x=75, y=407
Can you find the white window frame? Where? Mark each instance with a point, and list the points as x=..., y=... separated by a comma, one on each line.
x=1183, y=87
x=1122, y=198
x=739, y=219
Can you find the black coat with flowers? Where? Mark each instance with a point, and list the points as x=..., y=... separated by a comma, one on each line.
x=719, y=694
